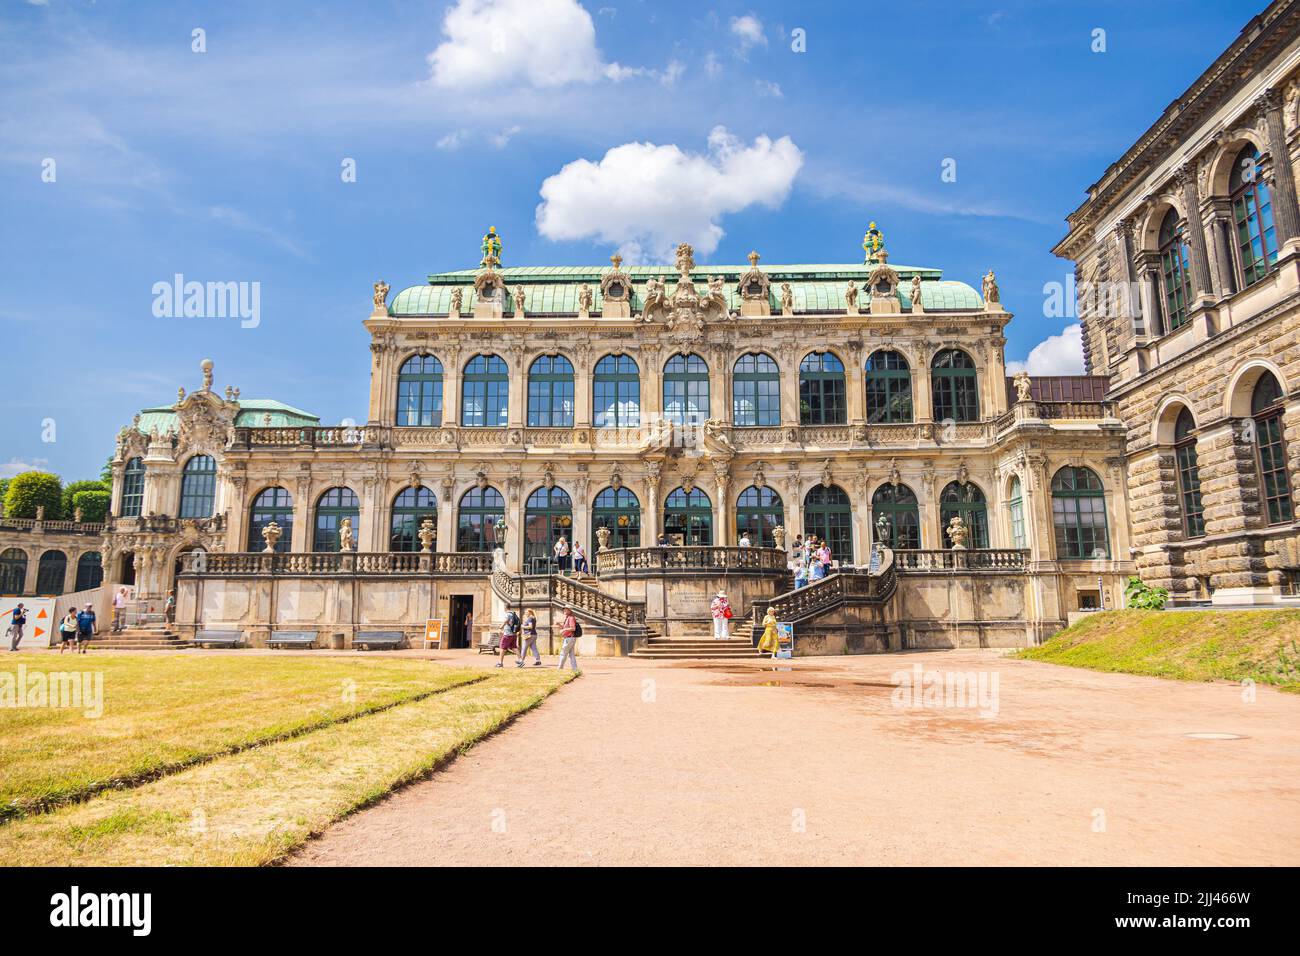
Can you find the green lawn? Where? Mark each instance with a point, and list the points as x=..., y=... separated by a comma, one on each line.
x=1185, y=645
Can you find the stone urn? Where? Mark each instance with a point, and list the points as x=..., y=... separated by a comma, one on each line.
x=778, y=534
x=602, y=539
x=271, y=535
x=958, y=533
x=427, y=535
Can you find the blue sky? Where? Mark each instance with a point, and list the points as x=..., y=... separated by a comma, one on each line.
x=226, y=165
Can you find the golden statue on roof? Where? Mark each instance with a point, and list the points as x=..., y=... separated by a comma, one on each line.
x=491, y=248
x=873, y=244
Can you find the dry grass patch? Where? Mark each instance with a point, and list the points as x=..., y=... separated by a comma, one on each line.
x=166, y=712
x=253, y=807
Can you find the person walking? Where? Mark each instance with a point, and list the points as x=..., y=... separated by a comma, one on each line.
x=579, y=558
x=770, y=642
x=561, y=550
x=68, y=628
x=17, y=621
x=529, y=642
x=570, y=631
x=86, y=626
x=169, y=609
x=509, y=637
x=800, y=572
x=119, y=610
x=720, y=608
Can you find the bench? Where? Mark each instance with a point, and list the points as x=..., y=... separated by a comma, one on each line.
x=492, y=644
x=381, y=640
x=281, y=639
x=218, y=639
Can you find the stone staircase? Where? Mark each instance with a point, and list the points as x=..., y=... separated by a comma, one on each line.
x=150, y=633
x=696, y=648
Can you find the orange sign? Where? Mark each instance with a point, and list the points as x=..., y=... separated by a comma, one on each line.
x=433, y=632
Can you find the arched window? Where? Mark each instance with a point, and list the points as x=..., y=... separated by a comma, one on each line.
x=828, y=514
x=954, y=389
x=616, y=392
x=758, y=511
x=755, y=391
x=273, y=504
x=481, y=510
x=419, y=391
x=548, y=515
x=90, y=571
x=13, y=571
x=889, y=388
x=688, y=517
x=198, y=487
x=133, y=488
x=331, y=508
x=686, y=390
x=902, y=514
x=1267, y=406
x=1174, y=271
x=51, y=572
x=1016, y=505
x=410, y=508
x=968, y=502
x=485, y=393
x=620, y=511
x=1079, y=514
x=1252, y=214
x=821, y=390
x=1189, y=476
x=550, y=392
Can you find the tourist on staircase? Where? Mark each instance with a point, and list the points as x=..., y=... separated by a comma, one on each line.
x=579, y=558
x=721, y=611
x=561, y=550
x=769, y=643
x=800, y=572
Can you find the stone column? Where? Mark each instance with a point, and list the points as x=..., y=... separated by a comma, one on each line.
x=514, y=526
x=931, y=528
x=581, y=530
x=724, y=525
x=518, y=396
x=652, y=391
x=995, y=377
x=1137, y=317
x=1201, y=284
x=451, y=387
x=1152, y=304
x=1286, y=210
x=582, y=386
x=1218, y=221
x=864, y=532
x=301, y=538
x=651, y=523
x=855, y=382
x=447, y=514
x=922, y=402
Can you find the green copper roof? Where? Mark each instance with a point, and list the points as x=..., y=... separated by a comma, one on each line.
x=252, y=413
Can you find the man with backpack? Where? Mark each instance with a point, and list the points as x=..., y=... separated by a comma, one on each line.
x=509, y=636
x=570, y=630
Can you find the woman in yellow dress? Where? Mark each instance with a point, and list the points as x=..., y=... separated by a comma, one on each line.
x=769, y=641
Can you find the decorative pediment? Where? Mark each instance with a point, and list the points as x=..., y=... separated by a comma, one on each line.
x=882, y=283
x=754, y=288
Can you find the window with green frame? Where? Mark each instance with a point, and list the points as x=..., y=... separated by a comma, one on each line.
x=13, y=571
x=410, y=508
x=1174, y=271
x=1252, y=215
x=889, y=388
x=1079, y=514
x=1189, y=476
x=548, y=516
x=90, y=571
x=419, y=392
x=485, y=393
x=758, y=512
x=133, y=488
x=550, y=392
x=902, y=513
x=619, y=510
x=271, y=504
x=688, y=517
x=1267, y=405
x=755, y=391
x=822, y=390
x=481, y=510
x=616, y=392
x=968, y=502
x=954, y=388
x=198, y=487
x=686, y=390
x=51, y=572
x=331, y=508
x=828, y=514
x=1016, y=505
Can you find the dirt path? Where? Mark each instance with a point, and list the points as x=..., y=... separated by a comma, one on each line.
x=654, y=763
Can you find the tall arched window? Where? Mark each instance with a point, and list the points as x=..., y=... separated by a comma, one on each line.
x=889, y=388
x=616, y=392
x=902, y=514
x=953, y=387
x=688, y=517
x=548, y=515
x=51, y=572
x=550, y=392
x=198, y=487
x=410, y=508
x=13, y=571
x=686, y=390
x=620, y=511
x=331, y=508
x=1267, y=407
x=755, y=391
x=133, y=488
x=419, y=391
x=758, y=511
x=485, y=393
x=90, y=571
x=1174, y=271
x=1079, y=514
x=821, y=390
x=1016, y=506
x=272, y=504
x=481, y=510
x=968, y=502
x=828, y=514
x=1252, y=214
x=1189, y=475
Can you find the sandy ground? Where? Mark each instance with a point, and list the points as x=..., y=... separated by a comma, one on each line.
x=737, y=763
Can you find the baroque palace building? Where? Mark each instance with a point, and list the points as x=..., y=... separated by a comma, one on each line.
x=1187, y=261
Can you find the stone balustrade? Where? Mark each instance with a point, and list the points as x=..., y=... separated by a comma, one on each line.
x=971, y=559
x=334, y=563
x=691, y=559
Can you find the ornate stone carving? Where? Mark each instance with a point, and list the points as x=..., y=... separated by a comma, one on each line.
x=271, y=535
x=427, y=534
x=991, y=294
x=1024, y=387
x=616, y=291
x=584, y=300
x=917, y=305
x=457, y=295
x=957, y=533
x=753, y=288
x=345, y=535
x=851, y=297
x=381, y=297
x=787, y=299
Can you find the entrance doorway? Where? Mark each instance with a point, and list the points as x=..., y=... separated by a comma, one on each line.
x=460, y=608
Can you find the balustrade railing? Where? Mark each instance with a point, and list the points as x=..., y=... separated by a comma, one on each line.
x=228, y=563
x=690, y=558
x=560, y=590
x=860, y=585
x=30, y=524
x=971, y=559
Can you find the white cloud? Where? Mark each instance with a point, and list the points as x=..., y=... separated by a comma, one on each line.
x=749, y=30
x=767, y=88
x=540, y=43
x=657, y=196
x=15, y=467
x=1056, y=355
x=499, y=140
x=711, y=65
x=454, y=140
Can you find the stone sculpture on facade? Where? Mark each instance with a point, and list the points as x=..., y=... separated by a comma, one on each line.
x=990, y=288
x=957, y=533
x=787, y=299
x=427, y=534
x=345, y=535
x=916, y=294
x=584, y=300
x=778, y=536
x=602, y=538
x=456, y=298
x=882, y=530
x=271, y=535
x=381, y=296
x=1024, y=387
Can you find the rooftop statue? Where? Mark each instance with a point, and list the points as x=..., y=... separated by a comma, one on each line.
x=872, y=244
x=991, y=287
x=685, y=259
x=381, y=296
x=491, y=247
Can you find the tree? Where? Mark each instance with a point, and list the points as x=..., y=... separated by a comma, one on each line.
x=4, y=488
x=106, y=474
x=31, y=489
x=70, y=490
x=93, y=504
x=1139, y=594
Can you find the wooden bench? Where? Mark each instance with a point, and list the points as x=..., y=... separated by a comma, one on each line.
x=378, y=640
x=281, y=639
x=492, y=644
x=218, y=639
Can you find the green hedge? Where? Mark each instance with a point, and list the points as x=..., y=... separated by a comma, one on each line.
x=93, y=504
x=31, y=489
x=71, y=489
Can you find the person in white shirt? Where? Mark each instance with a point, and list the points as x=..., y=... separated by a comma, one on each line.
x=561, y=551
x=744, y=540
